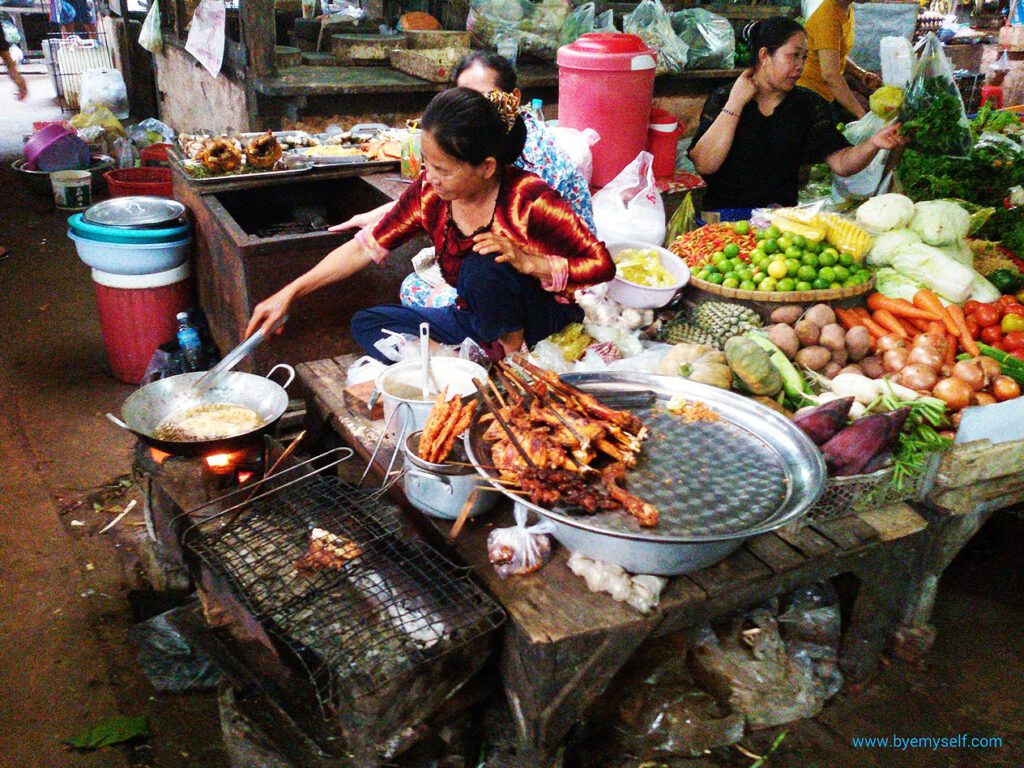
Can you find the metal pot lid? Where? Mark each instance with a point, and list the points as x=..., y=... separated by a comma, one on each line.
x=137, y=212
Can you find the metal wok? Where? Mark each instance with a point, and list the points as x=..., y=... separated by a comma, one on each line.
x=146, y=408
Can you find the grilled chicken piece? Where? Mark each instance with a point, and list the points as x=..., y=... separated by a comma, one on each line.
x=644, y=513
x=326, y=552
x=263, y=151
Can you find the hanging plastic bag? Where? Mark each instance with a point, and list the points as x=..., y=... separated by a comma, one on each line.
x=710, y=37
x=897, y=57
x=105, y=87
x=872, y=179
x=150, y=37
x=541, y=29
x=577, y=144
x=101, y=117
x=651, y=23
x=605, y=22
x=630, y=207
x=933, y=114
x=521, y=549
x=487, y=19
x=579, y=22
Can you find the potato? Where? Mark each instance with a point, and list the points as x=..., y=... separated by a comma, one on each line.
x=813, y=357
x=853, y=368
x=821, y=315
x=872, y=367
x=833, y=336
x=784, y=337
x=831, y=370
x=788, y=314
x=858, y=342
x=807, y=332
x=839, y=356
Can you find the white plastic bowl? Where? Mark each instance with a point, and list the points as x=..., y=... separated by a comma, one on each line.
x=641, y=296
x=131, y=258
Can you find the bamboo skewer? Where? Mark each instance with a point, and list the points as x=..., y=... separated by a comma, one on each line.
x=580, y=441
x=489, y=404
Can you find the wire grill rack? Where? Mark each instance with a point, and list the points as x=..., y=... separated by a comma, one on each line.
x=396, y=606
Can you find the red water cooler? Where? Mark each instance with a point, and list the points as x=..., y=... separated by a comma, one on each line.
x=606, y=82
x=663, y=141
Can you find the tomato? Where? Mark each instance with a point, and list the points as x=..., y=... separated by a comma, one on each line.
x=972, y=326
x=971, y=306
x=1018, y=353
x=1014, y=341
x=1003, y=301
x=987, y=314
x=992, y=335
x=1012, y=322
x=1013, y=309
x=1020, y=296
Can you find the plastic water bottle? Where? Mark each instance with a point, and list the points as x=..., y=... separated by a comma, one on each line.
x=189, y=342
x=537, y=110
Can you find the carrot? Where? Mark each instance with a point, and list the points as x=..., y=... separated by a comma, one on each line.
x=949, y=359
x=860, y=313
x=901, y=308
x=968, y=343
x=888, y=320
x=846, y=318
x=936, y=327
x=874, y=328
x=922, y=325
x=929, y=302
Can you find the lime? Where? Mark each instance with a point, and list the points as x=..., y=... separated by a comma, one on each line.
x=777, y=269
x=716, y=278
x=703, y=274
x=800, y=241
x=759, y=234
x=770, y=246
x=818, y=284
x=850, y=282
x=767, y=285
x=756, y=255
x=814, y=247
x=786, y=284
x=717, y=257
x=741, y=227
x=842, y=273
x=748, y=285
x=773, y=232
x=745, y=274
x=803, y=285
x=793, y=267
x=732, y=250
x=784, y=242
x=835, y=284
x=793, y=252
x=758, y=277
x=810, y=260
x=832, y=251
x=731, y=276
x=712, y=268
x=845, y=259
x=730, y=282
x=863, y=275
x=826, y=259
x=828, y=274
x=807, y=272
x=737, y=264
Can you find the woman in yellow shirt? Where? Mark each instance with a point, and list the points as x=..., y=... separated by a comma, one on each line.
x=829, y=41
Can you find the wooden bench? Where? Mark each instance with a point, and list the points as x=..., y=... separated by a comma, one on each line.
x=563, y=644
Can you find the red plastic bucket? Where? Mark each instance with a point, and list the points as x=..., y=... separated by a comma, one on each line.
x=137, y=315
x=127, y=182
x=663, y=140
x=606, y=82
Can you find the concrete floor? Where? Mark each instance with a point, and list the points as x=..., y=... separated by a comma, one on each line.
x=64, y=605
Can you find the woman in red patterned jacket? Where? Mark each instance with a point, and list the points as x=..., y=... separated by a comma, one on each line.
x=512, y=248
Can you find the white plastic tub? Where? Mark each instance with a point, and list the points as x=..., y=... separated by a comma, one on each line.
x=131, y=258
x=641, y=296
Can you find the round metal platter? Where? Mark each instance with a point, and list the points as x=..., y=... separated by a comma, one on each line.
x=137, y=212
x=749, y=473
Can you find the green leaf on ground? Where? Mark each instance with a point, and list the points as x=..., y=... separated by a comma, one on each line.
x=113, y=730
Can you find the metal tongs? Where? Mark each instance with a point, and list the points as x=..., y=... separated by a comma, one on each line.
x=213, y=376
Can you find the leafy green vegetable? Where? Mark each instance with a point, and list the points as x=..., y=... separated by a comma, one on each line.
x=113, y=730
x=931, y=116
x=918, y=438
x=1007, y=226
x=991, y=119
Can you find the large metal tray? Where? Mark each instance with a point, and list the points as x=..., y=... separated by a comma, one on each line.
x=711, y=481
x=301, y=166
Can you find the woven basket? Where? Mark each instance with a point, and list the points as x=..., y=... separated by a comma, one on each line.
x=845, y=496
x=784, y=297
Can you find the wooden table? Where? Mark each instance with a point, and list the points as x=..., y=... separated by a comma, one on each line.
x=563, y=644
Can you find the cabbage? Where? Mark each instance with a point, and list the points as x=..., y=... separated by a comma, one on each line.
x=982, y=290
x=959, y=251
x=939, y=222
x=895, y=285
x=887, y=243
x=886, y=212
x=935, y=270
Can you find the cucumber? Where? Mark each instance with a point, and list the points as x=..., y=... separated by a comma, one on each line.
x=1012, y=367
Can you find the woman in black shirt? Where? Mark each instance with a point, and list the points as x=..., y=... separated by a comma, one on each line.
x=755, y=134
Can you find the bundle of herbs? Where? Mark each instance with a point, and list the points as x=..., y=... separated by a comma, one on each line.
x=933, y=115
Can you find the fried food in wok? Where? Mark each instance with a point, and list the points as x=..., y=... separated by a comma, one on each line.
x=220, y=156
x=263, y=151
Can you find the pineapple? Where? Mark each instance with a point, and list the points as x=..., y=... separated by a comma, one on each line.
x=685, y=333
x=848, y=237
x=722, y=320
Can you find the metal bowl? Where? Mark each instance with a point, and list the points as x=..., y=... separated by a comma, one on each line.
x=716, y=484
x=39, y=181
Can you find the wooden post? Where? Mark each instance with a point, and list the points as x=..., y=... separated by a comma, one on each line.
x=258, y=35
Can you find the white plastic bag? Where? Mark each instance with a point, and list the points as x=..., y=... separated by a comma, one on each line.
x=521, y=549
x=872, y=179
x=150, y=37
x=365, y=368
x=897, y=56
x=630, y=207
x=105, y=87
x=577, y=144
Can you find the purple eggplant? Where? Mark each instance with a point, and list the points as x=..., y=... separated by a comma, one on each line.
x=825, y=421
x=853, y=450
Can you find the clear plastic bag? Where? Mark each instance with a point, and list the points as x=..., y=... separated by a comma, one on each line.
x=897, y=55
x=872, y=179
x=576, y=144
x=487, y=19
x=541, y=29
x=710, y=37
x=810, y=625
x=167, y=657
x=521, y=549
x=933, y=114
x=651, y=23
x=105, y=87
x=151, y=131
x=149, y=36
x=364, y=369
x=629, y=207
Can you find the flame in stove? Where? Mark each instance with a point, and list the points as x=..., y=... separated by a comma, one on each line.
x=219, y=460
x=159, y=456
x=244, y=476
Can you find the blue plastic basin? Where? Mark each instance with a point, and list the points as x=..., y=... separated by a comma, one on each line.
x=103, y=234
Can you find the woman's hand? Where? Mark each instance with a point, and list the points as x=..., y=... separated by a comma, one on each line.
x=270, y=311
x=743, y=90
x=359, y=221
x=506, y=252
x=871, y=81
x=888, y=138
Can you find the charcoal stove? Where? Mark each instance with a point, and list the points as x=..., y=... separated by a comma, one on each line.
x=354, y=655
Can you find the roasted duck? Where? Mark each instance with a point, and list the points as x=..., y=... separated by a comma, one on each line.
x=263, y=151
x=220, y=156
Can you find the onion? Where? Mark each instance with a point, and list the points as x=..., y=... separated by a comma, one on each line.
x=890, y=341
x=918, y=376
x=955, y=393
x=989, y=367
x=932, y=340
x=1005, y=388
x=954, y=419
x=894, y=360
x=926, y=356
x=982, y=398
x=949, y=434
x=970, y=373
